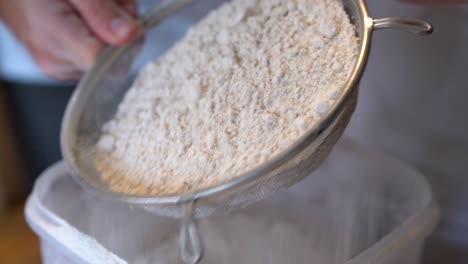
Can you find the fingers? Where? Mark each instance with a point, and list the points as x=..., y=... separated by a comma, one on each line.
x=59, y=69
x=62, y=44
x=109, y=20
x=79, y=45
x=65, y=37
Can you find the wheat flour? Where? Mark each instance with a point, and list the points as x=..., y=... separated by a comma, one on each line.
x=242, y=85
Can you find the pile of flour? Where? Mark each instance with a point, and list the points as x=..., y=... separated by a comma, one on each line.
x=242, y=85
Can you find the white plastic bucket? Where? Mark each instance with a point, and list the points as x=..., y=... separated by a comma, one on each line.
x=360, y=207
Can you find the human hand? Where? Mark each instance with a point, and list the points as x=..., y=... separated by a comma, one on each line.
x=66, y=36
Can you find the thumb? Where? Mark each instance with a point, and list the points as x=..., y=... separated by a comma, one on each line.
x=110, y=21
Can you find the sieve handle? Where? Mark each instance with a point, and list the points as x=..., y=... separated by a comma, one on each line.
x=416, y=26
x=190, y=243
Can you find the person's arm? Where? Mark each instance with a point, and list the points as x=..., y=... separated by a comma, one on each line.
x=66, y=36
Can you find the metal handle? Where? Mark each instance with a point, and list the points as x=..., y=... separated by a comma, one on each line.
x=190, y=244
x=415, y=26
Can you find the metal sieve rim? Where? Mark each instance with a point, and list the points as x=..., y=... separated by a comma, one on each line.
x=167, y=8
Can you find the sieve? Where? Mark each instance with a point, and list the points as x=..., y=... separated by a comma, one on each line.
x=96, y=100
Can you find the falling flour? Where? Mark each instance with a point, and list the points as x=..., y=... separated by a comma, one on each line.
x=242, y=85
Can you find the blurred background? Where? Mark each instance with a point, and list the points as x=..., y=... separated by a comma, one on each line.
x=413, y=105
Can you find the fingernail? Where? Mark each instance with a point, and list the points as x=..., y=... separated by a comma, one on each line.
x=123, y=25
